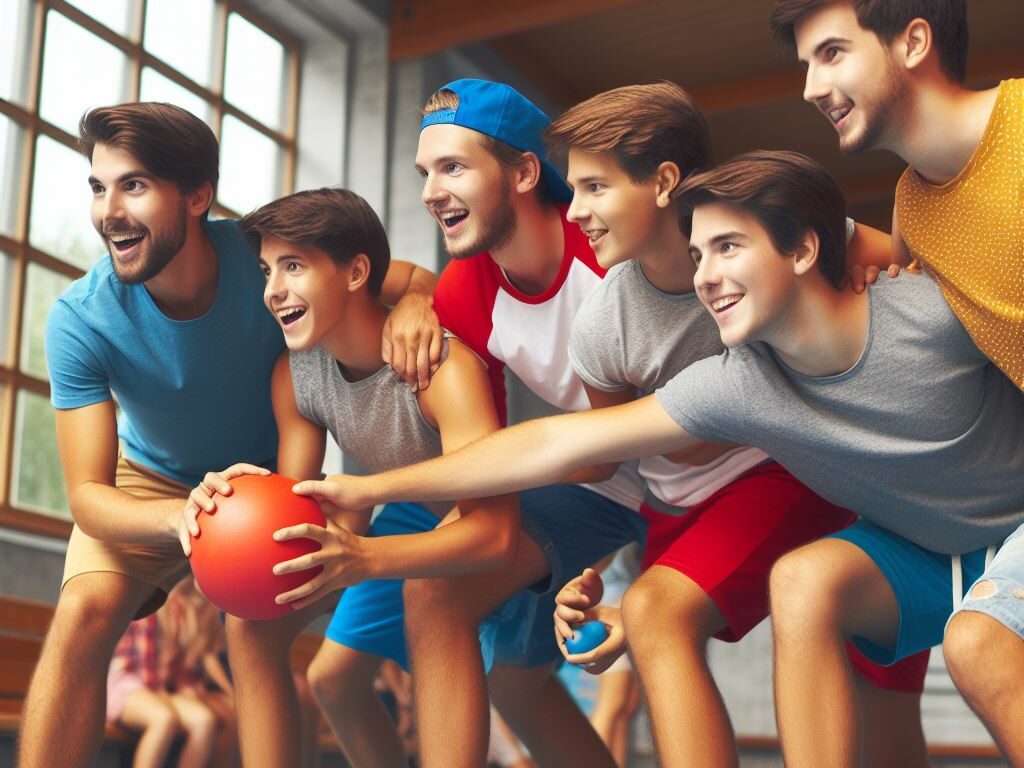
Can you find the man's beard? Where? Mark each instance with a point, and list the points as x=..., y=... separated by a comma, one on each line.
x=879, y=113
x=497, y=227
x=155, y=255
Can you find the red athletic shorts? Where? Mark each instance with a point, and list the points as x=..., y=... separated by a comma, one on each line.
x=728, y=543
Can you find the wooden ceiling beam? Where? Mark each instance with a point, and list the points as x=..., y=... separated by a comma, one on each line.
x=422, y=27
x=983, y=68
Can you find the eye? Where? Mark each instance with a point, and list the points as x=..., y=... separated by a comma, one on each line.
x=695, y=255
x=422, y=173
x=266, y=271
x=292, y=267
x=727, y=247
x=453, y=168
x=134, y=185
x=97, y=189
x=831, y=53
x=594, y=187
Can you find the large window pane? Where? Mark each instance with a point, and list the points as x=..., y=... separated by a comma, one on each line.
x=42, y=287
x=156, y=87
x=11, y=138
x=169, y=23
x=15, y=44
x=254, y=75
x=6, y=307
x=38, y=479
x=250, y=167
x=80, y=71
x=60, y=223
x=111, y=13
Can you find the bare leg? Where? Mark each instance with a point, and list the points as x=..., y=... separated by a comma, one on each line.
x=986, y=661
x=820, y=594
x=269, y=724
x=63, y=720
x=342, y=681
x=153, y=715
x=443, y=618
x=310, y=722
x=892, y=736
x=668, y=621
x=225, y=754
x=199, y=723
x=617, y=700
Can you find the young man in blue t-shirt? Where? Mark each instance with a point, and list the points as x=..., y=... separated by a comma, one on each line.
x=157, y=325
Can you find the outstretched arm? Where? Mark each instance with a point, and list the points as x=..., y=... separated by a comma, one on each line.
x=527, y=455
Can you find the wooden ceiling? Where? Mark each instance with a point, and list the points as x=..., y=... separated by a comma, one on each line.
x=720, y=50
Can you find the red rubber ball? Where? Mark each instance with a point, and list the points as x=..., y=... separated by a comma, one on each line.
x=234, y=554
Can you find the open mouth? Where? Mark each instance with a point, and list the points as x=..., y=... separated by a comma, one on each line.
x=725, y=302
x=595, y=234
x=123, y=242
x=451, y=219
x=289, y=315
x=837, y=114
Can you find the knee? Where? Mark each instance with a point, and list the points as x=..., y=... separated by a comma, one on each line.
x=200, y=724
x=428, y=601
x=654, y=608
x=325, y=682
x=967, y=647
x=640, y=610
x=799, y=591
x=164, y=722
x=92, y=618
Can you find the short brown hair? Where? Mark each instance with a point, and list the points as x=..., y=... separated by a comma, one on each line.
x=170, y=142
x=788, y=193
x=508, y=157
x=338, y=222
x=887, y=18
x=641, y=125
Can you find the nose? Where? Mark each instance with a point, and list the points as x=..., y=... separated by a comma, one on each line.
x=706, y=276
x=274, y=290
x=815, y=87
x=577, y=212
x=433, y=193
x=110, y=206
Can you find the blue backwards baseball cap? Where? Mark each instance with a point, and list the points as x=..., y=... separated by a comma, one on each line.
x=501, y=112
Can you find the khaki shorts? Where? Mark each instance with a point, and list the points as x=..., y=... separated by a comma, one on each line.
x=160, y=566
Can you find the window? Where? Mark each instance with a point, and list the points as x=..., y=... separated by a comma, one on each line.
x=59, y=58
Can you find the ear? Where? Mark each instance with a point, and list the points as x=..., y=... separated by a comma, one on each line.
x=805, y=258
x=667, y=178
x=200, y=199
x=527, y=173
x=915, y=43
x=358, y=272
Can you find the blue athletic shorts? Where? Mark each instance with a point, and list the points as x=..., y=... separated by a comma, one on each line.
x=925, y=593
x=574, y=527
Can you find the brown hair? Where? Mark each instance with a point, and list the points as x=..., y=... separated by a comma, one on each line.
x=641, y=125
x=338, y=222
x=170, y=142
x=508, y=157
x=788, y=193
x=887, y=18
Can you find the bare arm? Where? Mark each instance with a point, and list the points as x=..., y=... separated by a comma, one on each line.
x=527, y=455
x=87, y=441
x=601, y=399
x=412, y=339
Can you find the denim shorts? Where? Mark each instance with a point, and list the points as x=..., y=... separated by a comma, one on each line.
x=930, y=587
x=575, y=527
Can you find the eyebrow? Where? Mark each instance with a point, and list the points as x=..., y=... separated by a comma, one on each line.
x=589, y=179
x=125, y=176
x=724, y=237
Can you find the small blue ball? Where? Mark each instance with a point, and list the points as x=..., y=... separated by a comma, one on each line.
x=587, y=637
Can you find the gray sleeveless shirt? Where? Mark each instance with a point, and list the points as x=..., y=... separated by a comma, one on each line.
x=377, y=420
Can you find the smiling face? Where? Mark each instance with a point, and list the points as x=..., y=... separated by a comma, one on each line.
x=619, y=215
x=465, y=189
x=742, y=280
x=305, y=290
x=142, y=219
x=852, y=78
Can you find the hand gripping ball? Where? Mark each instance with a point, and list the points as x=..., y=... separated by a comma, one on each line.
x=586, y=637
x=235, y=553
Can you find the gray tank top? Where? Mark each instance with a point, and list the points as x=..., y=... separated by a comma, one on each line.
x=377, y=420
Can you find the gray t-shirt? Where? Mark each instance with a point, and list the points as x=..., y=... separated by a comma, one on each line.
x=923, y=435
x=628, y=334
x=377, y=420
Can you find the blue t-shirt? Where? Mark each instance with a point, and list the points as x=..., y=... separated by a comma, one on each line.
x=195, y=394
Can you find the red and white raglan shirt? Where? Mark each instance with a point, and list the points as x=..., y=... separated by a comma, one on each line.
x=530, y=334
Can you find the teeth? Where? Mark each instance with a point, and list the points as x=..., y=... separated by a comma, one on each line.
x=290, y=312
x=838, y=114
x=124, y=237
x=725, y=301
x=448, y=216
x=594, y=234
